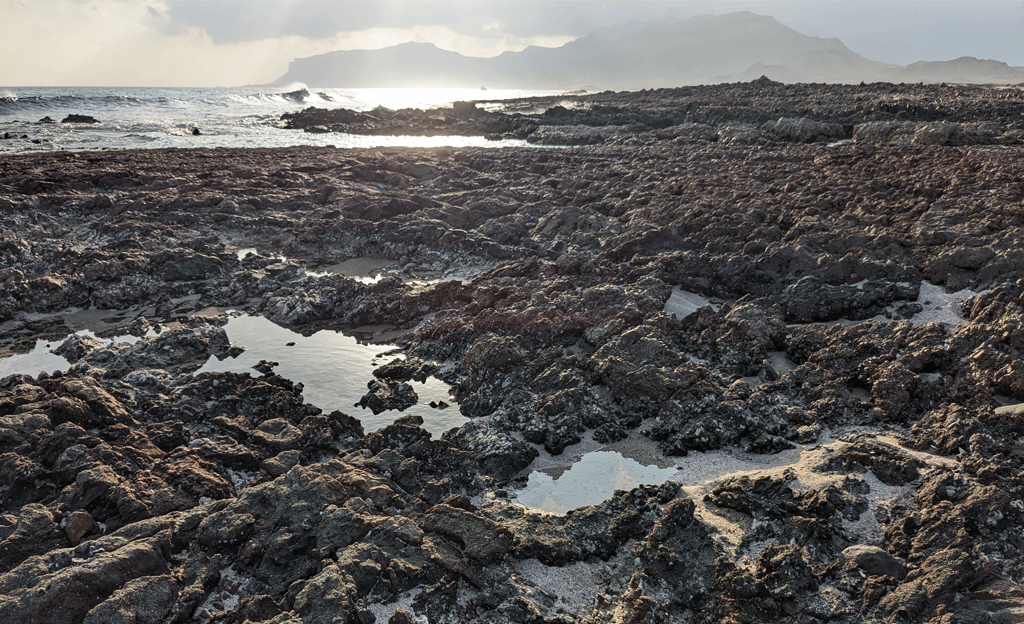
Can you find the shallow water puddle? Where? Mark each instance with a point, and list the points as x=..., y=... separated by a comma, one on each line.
x=367, y=269
x=591, y=480
x=780, y=364
x=596, y=475
x=37, y=360
x=245, y=251
x=41, y=358
x=624, y=465
x=683, y=302
x=333, y=369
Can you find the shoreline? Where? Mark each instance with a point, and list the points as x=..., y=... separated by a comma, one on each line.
x=560, y=294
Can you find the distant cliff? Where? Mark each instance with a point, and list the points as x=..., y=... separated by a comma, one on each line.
x=671, y=52
x=963, y=69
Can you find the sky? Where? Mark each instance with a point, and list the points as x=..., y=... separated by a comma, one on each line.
x=239, y=42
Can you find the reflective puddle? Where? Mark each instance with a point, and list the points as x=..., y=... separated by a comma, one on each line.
x=591, y=480
x=41, y=359
x=245, y=251
x=367, y=269
x=37, y=360
x=682, y=303
x=334, y=370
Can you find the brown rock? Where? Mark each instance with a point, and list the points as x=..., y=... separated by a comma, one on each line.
x=401, y=616
x=278, y=434
x=143, y=600
x=482, y=539
x=77, y=525
x=932, y=585
x=101, y=402
x=875, y=561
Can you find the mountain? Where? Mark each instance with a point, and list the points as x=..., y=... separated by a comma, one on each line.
x=669, y=52
x=533, y=66
x=406, y=65
x=963, y=69
x=425, y=65
x=706, y=49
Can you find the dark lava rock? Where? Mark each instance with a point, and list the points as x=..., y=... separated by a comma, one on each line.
x=499, y=455
x=875, y=561
x=224, y=497
x=384, y=395
x=889, y=464
x=74, y=118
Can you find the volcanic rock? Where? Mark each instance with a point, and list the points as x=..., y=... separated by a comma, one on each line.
x=850, y=257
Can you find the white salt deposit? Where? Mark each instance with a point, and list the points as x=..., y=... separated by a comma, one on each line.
x=573, y=587
x=226, y=596
x=938, y=306
x=383, y=612
x=594, y=476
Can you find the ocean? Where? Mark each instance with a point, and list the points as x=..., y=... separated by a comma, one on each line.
x=147, y=118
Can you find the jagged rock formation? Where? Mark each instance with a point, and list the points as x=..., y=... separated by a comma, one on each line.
x=133, y=490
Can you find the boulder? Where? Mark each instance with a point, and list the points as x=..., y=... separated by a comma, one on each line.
x=875, y=561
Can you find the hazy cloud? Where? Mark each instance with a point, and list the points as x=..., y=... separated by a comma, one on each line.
x=234, y=21
x=231, y=42
x=905, y=32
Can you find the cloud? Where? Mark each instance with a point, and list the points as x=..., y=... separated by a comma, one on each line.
x=233, y=42
x=126, y=43
x=235, y=21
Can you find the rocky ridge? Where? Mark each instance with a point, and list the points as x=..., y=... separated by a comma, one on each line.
x=133, y=489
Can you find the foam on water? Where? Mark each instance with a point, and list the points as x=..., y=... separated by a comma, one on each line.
x=133, y=118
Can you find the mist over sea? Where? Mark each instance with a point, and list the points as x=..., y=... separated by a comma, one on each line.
x=147, y=118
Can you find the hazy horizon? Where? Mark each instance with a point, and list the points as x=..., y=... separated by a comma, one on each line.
x=237, y=42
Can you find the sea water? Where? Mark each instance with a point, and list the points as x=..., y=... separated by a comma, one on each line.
x=140, y=118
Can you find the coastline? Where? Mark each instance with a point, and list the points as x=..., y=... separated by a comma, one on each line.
x=534, y=281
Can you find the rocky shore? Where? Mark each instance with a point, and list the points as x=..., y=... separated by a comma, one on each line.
x=821, y=225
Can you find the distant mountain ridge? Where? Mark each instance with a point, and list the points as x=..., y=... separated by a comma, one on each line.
x=670, y=52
